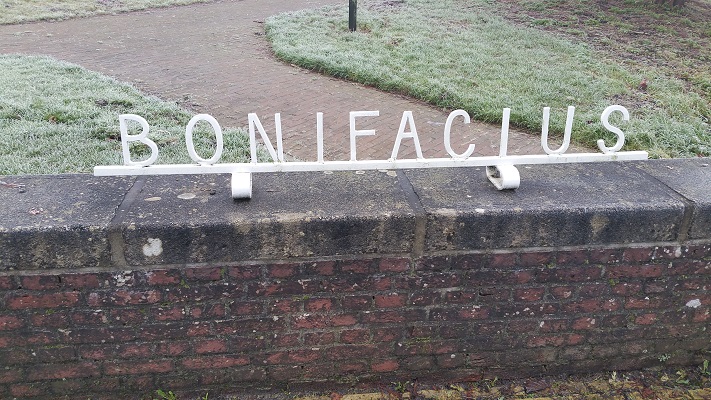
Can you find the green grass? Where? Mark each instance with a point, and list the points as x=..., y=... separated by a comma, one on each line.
x=456, y=54
x=15, y=11
x=57, y=117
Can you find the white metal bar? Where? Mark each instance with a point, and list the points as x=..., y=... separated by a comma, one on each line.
x=177, y=169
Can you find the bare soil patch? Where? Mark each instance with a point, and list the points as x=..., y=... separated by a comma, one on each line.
x=633, y=32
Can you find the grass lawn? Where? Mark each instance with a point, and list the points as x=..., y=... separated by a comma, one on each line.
x=466, y=54
x=15, y=11
x=57, y=117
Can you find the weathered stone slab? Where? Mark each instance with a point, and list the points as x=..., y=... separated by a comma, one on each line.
x=556, y=205
x=692, y=179
x=290, y=215
x=57, y=221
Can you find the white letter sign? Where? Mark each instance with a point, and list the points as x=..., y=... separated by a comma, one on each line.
x=501, y=170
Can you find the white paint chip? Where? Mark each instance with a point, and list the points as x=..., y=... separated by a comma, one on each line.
x=153, y=248
x=186, y=196
x=696, y=303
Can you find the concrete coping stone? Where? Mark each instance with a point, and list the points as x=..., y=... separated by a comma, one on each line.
x=82, y=221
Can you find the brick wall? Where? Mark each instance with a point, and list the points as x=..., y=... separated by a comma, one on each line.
x=122, y=320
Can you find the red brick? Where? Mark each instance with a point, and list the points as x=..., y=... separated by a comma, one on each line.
x=285, y=288
x=199, y=329
x=387, y=334
x=325, y=268
x=553, y=325
x=236, y=308
x=101, y=352
x=384, y=317
x=319, y=338
x=343, y=320
x=99, y=335
x=62, y=371
x=52, y=300
x=390, y=300
x=592, y=305
x=593, y=290
x=451, y=360
x=572, y=257
x=172, y=349
x=530, y=294
x=355, y=336
x=357, y=302
x=635, y=271
x=535, y=259
x=522, y=326
x=244, y=272
x=311, y=321
x=128, y=316
x=282, y=270
x=432, y=280
x=288, y=340
x=316, y=305
x=562, y=292
x=638, y=254
x=205, y=274
x=655, y=287
x=250, y=326
x=437, y=263
x=494, y=295
x=10, y=375
x=54, y=319
x=210, y=346
x=137, y=367
x=646, y=319
x=384, y=366
x=418, y=363
x=123, y=297
x=168, y=314
x=6, y=283
x=503, y=260
x=570, y=274
x=645, y=303
x=521, y=277
x=584, y=324
x=81, y=281
x=294, y=357
x=689, y=267
x=351, y=368
x=28, y=390
x=40, y=282
x=424, y=298
x=163, y=277
x=352, y=352
x=625, y=288
x=212, y=311
x=701, y=315
x=285, y=306
x=247, y=344
x=457, y=313
x=356, y=266
x=555, y=340
x=9, y=322
x=605, y=256
x=394, y=265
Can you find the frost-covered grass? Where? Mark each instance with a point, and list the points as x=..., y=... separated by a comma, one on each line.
x=459, y=54
x=57, y=117
x=15, y=11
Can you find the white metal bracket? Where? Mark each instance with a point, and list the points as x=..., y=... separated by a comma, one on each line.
x=504, y=176
x=241, y=185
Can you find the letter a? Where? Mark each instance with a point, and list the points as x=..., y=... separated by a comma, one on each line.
x=407, y=118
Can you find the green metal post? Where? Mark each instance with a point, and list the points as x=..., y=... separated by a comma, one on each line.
x=352, y=8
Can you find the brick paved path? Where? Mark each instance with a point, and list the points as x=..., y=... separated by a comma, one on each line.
x=214, y=58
